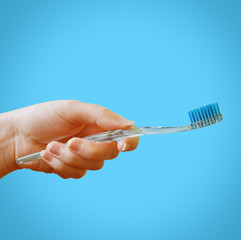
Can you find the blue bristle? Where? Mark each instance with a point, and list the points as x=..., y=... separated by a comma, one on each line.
x=208, y=111
x=201, y=114
x=217, y=108
x=215, y=112
x=194, y=119
x=204, y=113
x=211, y=110
x=191, y=116
x=196, y=115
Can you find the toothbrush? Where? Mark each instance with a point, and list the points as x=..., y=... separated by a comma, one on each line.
x=200, y=117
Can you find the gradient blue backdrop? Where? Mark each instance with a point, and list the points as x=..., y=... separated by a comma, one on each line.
x=150, y=61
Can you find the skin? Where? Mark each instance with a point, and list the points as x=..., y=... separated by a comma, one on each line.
x=47, y=126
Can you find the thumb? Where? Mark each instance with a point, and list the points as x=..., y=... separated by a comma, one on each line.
x=79, y=113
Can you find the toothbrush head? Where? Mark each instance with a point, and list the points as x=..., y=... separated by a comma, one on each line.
x=205, y=116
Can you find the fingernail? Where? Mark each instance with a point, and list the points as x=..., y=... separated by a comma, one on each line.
x=46, y=156
x=74, y=145
x=55, y=149
x=126, y=122
x=125, y=147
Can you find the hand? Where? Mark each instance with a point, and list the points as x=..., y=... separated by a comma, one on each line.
x=50, y=125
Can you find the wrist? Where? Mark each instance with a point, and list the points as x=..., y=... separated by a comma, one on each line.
x=7, y=144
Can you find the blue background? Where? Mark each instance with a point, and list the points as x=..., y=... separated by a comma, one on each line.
x=152, y=62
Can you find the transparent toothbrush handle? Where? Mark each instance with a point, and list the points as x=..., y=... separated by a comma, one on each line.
x=29, y=158
x=115, y=135
x=134, y=132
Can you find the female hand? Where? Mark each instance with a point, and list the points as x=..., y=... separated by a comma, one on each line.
x=49, y=125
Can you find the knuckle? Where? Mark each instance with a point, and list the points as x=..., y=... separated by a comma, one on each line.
x=93, y=153
x=104, y=110
x=59, y=165
x=101, y=109
x=69, y=104
x=71, y=161
x=72, y=102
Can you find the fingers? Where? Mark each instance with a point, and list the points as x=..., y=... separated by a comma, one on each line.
x=79, y=112
x=61, y=168
x=78, y=156
x=94, y=151
x=104, y=118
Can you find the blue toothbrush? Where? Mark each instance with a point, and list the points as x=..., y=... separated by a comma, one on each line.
x=200, y=117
